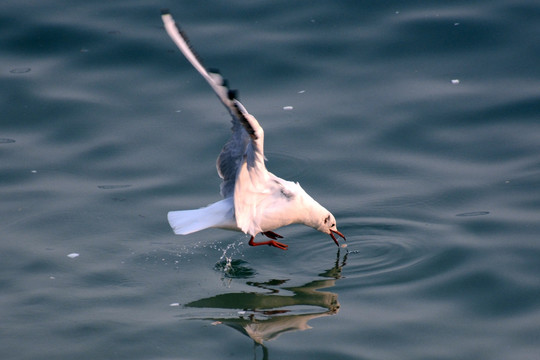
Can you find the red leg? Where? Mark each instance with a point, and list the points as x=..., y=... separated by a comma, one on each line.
x=269, y=243
x=272, y=235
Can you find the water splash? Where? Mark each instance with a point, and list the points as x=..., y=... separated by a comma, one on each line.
x=232, y=268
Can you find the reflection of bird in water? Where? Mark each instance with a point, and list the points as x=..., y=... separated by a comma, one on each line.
x=271, y=328
x=265, y=316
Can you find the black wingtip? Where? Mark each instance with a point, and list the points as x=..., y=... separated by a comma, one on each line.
x=165, y=12
x=232, y=94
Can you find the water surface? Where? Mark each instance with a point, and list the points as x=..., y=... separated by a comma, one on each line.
x=415, y=123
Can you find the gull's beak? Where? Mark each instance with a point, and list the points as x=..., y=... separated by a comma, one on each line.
x=332, y=232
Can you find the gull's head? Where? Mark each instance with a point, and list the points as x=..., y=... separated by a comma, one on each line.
x=327, y=225
x=315, y=215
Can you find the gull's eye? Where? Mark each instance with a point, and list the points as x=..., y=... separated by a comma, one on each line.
x=327, y=219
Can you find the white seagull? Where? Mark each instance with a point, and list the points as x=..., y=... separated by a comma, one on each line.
x=255, y=200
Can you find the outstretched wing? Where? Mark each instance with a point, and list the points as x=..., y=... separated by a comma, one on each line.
x=241, y=162
x=245, y=128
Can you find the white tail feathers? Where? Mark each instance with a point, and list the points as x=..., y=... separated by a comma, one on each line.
x=216, y=215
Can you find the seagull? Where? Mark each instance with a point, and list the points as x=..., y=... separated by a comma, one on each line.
x=255, y=201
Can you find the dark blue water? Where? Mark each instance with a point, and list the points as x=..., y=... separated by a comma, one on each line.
x=416, y=123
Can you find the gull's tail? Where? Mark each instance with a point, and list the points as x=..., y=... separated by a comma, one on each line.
x=216, y=215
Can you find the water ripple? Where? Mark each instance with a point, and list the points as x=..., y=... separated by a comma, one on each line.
x=473, y=213
x=21, y=70
x=384, y=254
